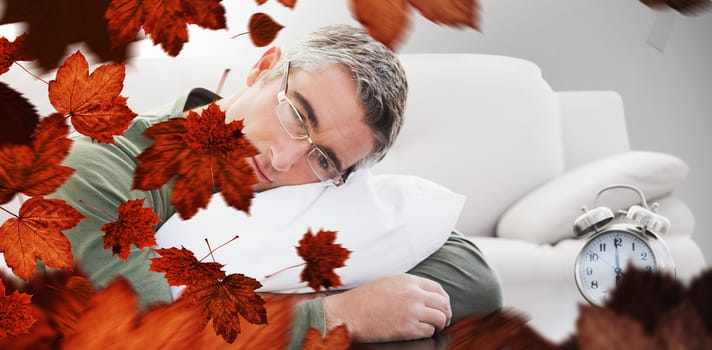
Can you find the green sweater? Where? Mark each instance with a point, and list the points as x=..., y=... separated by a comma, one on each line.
x=103, y=178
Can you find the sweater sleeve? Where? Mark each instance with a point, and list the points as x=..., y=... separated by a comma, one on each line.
x=460, y=268
x=102, y=181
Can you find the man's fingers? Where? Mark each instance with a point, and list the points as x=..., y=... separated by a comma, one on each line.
x=436, y=318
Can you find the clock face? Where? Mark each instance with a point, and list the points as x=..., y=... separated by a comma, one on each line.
x=604, y=259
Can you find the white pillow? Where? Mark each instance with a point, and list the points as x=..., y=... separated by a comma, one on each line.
x=547, y=214
x=389, y=222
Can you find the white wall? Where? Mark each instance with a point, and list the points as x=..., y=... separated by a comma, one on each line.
x=579, y=44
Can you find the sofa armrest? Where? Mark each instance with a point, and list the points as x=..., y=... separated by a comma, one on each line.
x=586, y=116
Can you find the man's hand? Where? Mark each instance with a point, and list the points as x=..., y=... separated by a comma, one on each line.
x=400, y=307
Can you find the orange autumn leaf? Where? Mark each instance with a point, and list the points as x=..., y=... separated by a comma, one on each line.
x=12, y=51
x=35, y=169
x=55, y=25
x=36, y=233
x=204, y=155
x=263, y=29
x=388, y=21
x=134, y=226
x=385, y=20
x=165, y=21
x=336, y=339
x=453, y=13
x=15, y=313
x=219, y=297
x=287, y=3
x=112, y=321
x=182, y=268
x=92, y=101
x=20, y=117
x=322, y=256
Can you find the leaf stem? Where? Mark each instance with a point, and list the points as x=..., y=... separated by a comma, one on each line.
x=111, y=217
x=222, y=81
x=284, y=269
x=32, y=74
x=210, y=254
x=9, y=212
x=236, y=35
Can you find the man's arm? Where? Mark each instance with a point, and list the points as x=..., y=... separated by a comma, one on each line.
x=409, y=306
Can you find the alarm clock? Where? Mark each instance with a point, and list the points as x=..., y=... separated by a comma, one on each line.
x=617, y=242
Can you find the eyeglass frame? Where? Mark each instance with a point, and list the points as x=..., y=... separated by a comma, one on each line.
x=282, y=98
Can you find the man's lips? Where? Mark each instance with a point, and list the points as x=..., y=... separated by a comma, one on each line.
x=258, y=171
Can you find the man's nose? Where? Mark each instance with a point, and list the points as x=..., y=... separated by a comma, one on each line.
x=288, y=152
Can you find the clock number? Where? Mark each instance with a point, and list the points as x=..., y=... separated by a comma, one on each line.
x=593, y=257
x=602, y=247
x=589, y=271
x=643, y=256
x=649, y=268
x=618, y=242
x=594, y=284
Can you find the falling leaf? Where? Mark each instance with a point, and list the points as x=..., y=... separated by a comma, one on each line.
x=336, y=339
x=387, y=21
x=134, y=226
x=453, y=13
x=15, y=316
x=601, y=328
x=263, y=29
x=322, y=256
x=20, y=117
x=36, y=169
x=645, y=296
x=287, y=3
x=686, y=7
x=682, y=328
x=54, y=25
x=92, y=101
x=112, y=321
x=36, y=233
x=699, y=293
x=165, y=21
x=12, y=51
x=204, y=155
x=181, y=268
x=220, y=298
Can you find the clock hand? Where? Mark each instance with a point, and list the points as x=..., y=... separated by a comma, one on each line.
x=617, y=269
x=602, y=259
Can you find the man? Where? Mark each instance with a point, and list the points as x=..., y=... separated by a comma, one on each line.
x=331, y=104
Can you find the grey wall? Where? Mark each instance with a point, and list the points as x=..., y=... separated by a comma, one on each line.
x=579, y=45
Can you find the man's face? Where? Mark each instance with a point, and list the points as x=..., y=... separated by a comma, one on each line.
x=329, y=95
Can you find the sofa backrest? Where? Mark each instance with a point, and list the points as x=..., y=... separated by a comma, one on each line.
x=486, y=126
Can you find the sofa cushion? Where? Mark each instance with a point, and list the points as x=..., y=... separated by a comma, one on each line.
x=547, y=214
x=485, y=126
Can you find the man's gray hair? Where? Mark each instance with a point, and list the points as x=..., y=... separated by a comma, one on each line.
x=380, y=79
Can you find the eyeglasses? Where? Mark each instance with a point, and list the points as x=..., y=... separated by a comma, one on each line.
x=296, y=127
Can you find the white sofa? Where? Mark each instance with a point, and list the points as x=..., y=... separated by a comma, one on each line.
x=491, y=128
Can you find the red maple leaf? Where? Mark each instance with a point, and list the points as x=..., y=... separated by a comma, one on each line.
x=20, y=117
x=134, y=226
x=263, y=29
x=37, y=233
x=166, y=21
x=54, y=25
x=15, y=315
x=36, y=169
x=336, y=339
x=183, y=269
x=287, y=3
x=92, y=101
x=389, y=20
x=12, y=51
x=322, y=256
x=220, y=298
x=111, y=321
x=204, y=154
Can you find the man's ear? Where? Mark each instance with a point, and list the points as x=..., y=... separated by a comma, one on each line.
x=265, y=63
